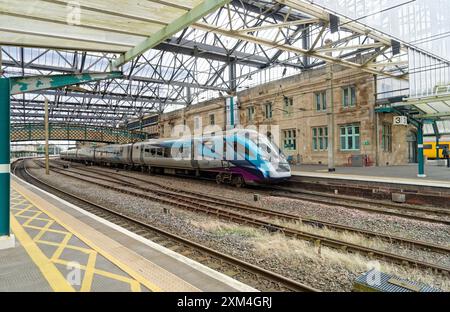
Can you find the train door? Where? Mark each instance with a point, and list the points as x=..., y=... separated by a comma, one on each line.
x=412, y=147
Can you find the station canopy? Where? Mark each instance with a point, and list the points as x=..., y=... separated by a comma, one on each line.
x=178, y=53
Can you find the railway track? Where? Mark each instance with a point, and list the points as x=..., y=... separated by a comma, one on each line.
x=428, y=214
x=441, y=216
x=248, y=273
x=193, y=204
x=223, y=202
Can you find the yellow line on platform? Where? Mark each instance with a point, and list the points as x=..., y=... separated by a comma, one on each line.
x=176, y=284
x=48, y=269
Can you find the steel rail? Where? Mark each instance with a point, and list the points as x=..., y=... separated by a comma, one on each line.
x=286, y=216
x=192, y=205
x=282, y=281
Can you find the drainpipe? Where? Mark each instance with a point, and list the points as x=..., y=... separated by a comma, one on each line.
x=421, y=157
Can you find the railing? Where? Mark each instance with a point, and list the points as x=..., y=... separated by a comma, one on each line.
x=71, y=132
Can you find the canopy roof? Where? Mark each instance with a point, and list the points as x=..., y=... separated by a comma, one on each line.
x=176, y=53
x=94, y=25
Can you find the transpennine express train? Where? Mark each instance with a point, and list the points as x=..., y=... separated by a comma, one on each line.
x=238, y=157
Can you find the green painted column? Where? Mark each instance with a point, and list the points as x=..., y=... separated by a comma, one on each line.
x=4, y=156
x=438, y=142
x=421, y=157
x=232, y=112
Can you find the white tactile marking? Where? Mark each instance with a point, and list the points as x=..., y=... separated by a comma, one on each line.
x=238, y=286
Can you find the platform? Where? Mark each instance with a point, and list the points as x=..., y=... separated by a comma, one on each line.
x=61, y=247
x=438, y=177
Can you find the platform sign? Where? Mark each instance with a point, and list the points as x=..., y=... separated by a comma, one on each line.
x=400, y=120
x=232, y=111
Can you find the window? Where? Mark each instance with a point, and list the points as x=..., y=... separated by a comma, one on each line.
x=197, y=121
x=349, y=96
x=268, y=110
x=321, y=101
x=212, y=120
x=320, y=138
x=350, y=137
x=288, y=106
x=386, y=141
x=250, y=113
x=290, y=139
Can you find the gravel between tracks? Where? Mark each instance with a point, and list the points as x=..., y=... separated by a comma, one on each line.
x=390, y=225
x=330, y=270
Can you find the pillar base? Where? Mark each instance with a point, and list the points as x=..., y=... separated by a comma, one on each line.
x=7, y=242
x=421, y=175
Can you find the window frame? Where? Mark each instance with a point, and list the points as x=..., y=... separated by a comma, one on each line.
x=197, y=122
x=212, y=119
x=386, y=138
x=289, y=139
x=356, y=137
x=319, y=138
x=268, y=116
x=322, y=106
x=250, y=113
x=350, y=100
x=288, y=106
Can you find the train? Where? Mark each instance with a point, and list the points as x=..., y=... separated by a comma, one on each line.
x=429, y=146
x=237, y=157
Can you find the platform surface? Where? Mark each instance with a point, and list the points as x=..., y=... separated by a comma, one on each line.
x=60, y=247
x=436, y=176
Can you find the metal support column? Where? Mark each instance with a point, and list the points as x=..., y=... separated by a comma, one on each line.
x=232, y=75
x=331, y=130
x=438, y=138
x=233, y=92
x=47, y=158
x=4, y=156
x=306, y=44
x=421, y=157
x=18, y=85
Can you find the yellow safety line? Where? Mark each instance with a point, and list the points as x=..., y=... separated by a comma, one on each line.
x=24, y=210
x=48, y=269
x=88, y=242
x=61, y=247
x=134, y=284
x=89, y=273
x=43, y=230
x=31, y=218
x=81, y=249
x=48, y=230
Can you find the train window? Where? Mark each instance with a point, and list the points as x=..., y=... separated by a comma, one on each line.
x=428, y=146
x=247, y=144
x=159, y=152
x=167, y=152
